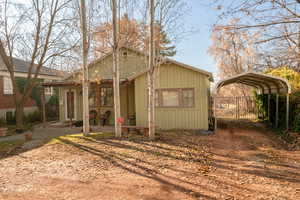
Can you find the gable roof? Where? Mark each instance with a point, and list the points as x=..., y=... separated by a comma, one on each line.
x=165, y=61
x=137, y=74
x=22, y=66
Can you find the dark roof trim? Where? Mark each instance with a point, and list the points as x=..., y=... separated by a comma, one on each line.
x=76, y=83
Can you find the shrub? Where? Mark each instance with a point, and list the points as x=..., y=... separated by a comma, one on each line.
x=33, y=117
x=12, y=120
x=52, y=108
x=296, y=123
x=289, y=74
x=294, y=104
x=2, y=122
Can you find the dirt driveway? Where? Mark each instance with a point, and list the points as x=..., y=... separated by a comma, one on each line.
x=235, y=163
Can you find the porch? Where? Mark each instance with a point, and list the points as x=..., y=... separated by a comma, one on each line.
x=101, y=102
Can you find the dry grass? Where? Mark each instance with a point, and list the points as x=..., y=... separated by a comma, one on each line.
x=8, y=146
x=233, y=164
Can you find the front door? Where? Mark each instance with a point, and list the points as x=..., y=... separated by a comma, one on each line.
x=70, y=105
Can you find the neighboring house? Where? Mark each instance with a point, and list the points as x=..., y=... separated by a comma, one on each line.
x=182, y=92
x=7, y=105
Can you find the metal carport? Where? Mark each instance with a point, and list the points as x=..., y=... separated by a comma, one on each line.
x=265, y=84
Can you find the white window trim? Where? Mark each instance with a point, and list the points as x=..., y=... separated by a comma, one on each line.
x=75, y=104
x=5, y=91
x=49, y=91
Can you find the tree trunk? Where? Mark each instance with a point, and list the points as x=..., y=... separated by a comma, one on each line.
x=43, y=106
x=85, y=83
x=151, y=81
x=19, y=114
x=116, y=75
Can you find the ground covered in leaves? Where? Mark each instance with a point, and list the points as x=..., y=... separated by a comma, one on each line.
x=235, y=163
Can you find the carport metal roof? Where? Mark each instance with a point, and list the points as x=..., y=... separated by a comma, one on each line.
x=266, y=84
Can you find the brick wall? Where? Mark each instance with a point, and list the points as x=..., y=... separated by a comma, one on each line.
x=7, y=101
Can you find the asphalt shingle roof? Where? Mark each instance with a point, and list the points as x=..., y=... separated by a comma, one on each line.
x=23, y=67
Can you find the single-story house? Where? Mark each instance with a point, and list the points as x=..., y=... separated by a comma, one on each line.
x=182, y=92
x=7, y=105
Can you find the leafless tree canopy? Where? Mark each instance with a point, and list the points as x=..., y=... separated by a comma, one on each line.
x=277, y=21
x=169, y=20
x=38, y=31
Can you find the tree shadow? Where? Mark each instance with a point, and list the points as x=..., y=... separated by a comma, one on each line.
x=137, y=165
x=122, y=162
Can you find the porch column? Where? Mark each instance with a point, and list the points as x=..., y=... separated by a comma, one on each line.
x=43, y=101
x=69, y=108
x=277, y=99
x=287, y=110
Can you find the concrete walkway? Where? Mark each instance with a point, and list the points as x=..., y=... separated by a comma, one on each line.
x=42, y=134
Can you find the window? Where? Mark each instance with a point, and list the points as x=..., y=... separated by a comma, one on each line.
x=7, y=85
x=187, y=97
x=125, y=54
x=174, y=97
x=92, y=97
x=106, y=96
x=156, y=100
x=48, y=90
x=170, y=98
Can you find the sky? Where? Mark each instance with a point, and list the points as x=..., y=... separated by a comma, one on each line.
x=193, y=49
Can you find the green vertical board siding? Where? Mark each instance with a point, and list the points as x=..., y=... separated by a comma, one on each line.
x=173, y=76
x=134, y=95
x=131, y=64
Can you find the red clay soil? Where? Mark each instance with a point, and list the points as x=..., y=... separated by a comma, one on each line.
x=235, y=163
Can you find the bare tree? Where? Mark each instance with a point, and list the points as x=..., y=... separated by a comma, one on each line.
x=116, y=73
x=276, y=20
x=36, y=31
x=151, y=81
x=85, y=82
x=131, y=34
x=235, y=53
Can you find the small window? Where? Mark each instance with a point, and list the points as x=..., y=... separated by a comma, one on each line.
x=92, y=97
x=125, y=54
x=48, y=90
x=179, y=97
x=156, y=98
x=107, y=98
x=170, y=98
x=7, y=85
x=187, y=97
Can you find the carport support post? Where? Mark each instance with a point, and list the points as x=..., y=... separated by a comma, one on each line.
x=277, y=99
x=287, y=110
